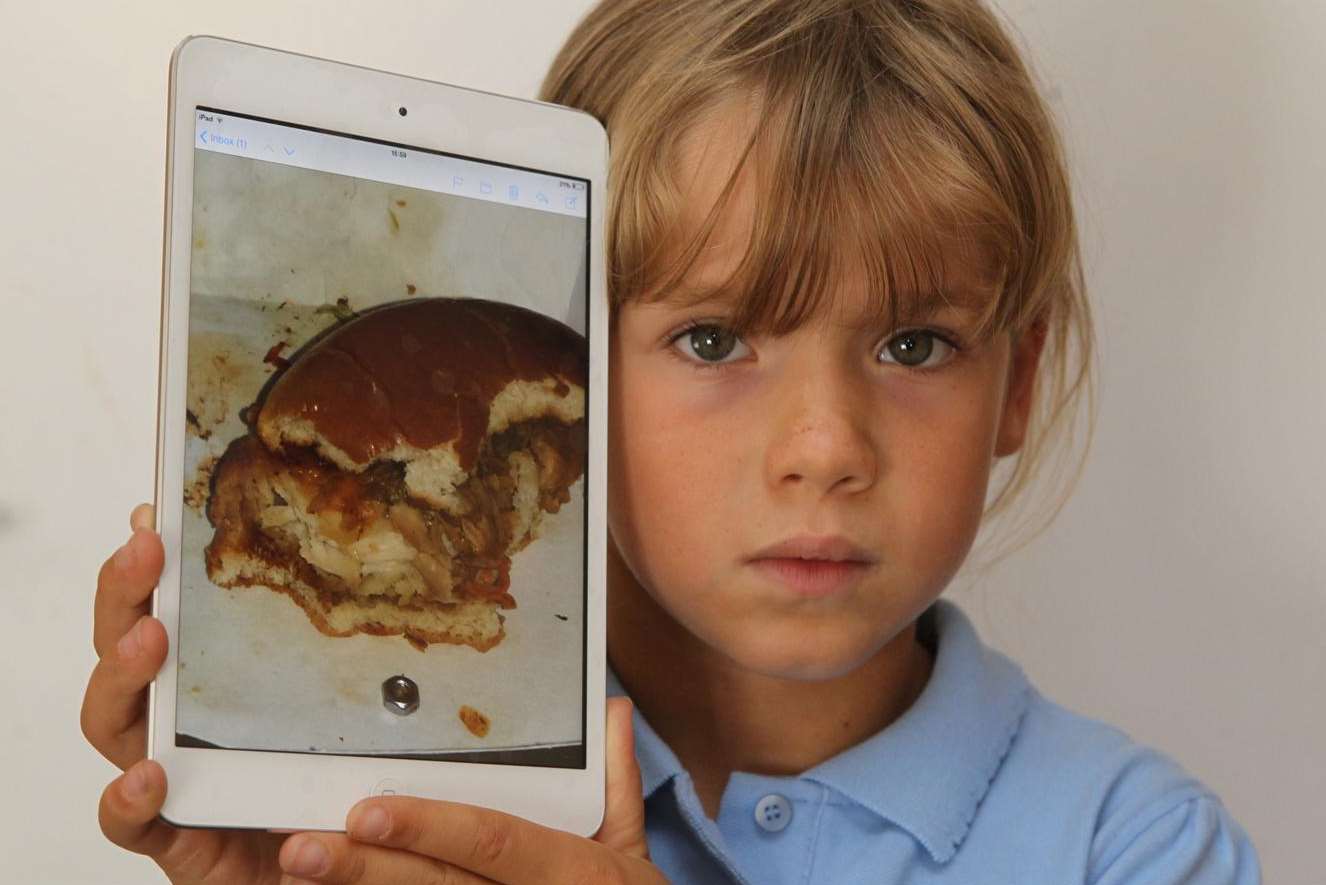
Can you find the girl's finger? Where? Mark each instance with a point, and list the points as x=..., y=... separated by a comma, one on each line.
x=623, y=826
x=115, y=703
x=129, y=816
x=129, y=809
x=142, y=517
x=124, y=588
x=334, y=858
x=503, y=847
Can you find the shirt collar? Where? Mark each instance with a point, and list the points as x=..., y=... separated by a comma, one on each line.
x=928, y=770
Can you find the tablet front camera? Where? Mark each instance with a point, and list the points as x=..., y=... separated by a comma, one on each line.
x=402, y=110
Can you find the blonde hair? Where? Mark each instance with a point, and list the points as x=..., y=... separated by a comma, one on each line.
x=900, y=132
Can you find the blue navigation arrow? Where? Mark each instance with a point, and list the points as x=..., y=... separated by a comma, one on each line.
x=289, y=152
x=203, y=136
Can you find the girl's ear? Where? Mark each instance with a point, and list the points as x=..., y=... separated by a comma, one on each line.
x=1021, y=385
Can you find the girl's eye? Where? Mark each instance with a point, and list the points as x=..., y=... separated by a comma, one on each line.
x=710, y=344
x=913, y=347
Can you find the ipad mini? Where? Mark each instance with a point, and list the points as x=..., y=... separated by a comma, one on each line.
x=380, y=446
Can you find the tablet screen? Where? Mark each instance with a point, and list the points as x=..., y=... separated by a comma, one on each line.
x=383, y=541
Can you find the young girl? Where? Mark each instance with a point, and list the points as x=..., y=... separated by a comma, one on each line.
x=844, y=276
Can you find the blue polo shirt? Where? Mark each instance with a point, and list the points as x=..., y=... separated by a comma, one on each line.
x=982, y=780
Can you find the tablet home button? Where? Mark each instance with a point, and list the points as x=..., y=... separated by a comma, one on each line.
x=388, y=787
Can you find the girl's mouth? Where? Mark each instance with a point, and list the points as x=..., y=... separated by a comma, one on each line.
x=812, y=577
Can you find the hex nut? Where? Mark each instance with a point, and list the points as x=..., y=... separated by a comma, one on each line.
x=400, y=695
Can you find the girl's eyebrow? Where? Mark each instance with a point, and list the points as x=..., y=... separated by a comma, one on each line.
x=698, y=296
x=965, y=300
x=913, y=307
x=962, y=300
x=964, y=303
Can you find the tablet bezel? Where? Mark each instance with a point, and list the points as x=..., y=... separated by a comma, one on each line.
x=287, y=791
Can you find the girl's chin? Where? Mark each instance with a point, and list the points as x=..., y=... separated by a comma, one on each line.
x=801, y=658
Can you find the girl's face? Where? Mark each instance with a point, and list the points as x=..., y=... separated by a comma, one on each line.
x=721, y=447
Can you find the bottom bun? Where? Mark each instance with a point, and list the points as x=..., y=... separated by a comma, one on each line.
x=475, y=623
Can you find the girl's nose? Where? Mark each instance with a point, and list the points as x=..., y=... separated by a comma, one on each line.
x=820, y=439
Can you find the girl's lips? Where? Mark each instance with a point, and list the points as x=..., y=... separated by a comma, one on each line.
x=811, y=577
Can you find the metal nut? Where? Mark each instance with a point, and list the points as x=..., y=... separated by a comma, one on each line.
x=400, y=695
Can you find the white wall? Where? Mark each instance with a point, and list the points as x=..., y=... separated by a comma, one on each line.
x=1180, y=594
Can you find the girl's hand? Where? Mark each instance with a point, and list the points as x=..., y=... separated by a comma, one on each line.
x=131, y=645
x=425, y=842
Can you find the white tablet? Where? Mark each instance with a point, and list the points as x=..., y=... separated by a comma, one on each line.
x=380, y=459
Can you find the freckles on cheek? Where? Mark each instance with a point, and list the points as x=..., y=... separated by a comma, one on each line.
x=948, y=416
x=674, y=469
x=673, y=412
x=676, y=515
x=940, y=467
x=680, y=460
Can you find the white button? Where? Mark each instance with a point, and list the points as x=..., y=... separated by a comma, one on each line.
x=388, y=787
x=773, y=813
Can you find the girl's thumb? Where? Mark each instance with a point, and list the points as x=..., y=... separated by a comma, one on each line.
x=623, y=826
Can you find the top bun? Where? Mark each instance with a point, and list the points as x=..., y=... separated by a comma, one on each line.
x=424, y=382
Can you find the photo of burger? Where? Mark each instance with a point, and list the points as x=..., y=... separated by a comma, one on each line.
x=398, y=462
x=386, y=469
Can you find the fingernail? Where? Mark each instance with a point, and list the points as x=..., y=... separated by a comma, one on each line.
x=310, y=859
x=140, y=516
x=131, y=643
x=370, y=823
x=135, y=784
